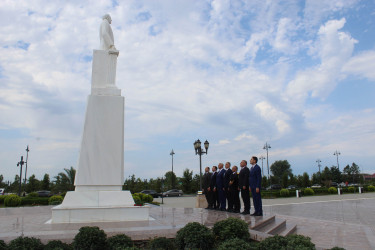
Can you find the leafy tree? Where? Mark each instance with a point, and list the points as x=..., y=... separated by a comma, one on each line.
x=305, y=180
x=285, y=180
x=187, y=180
x=169, y=176
x=46, y=182
x=315, y=178
x=352, y=172
x=336, y=175
x=195, y=184
x=326, y=174
x=292, y=179
x=65, y=181
x=278, y=168
x=1, y=181
x=264, y=181
x=33, y=184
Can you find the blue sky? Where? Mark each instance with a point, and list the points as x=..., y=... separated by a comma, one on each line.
x=296, y=74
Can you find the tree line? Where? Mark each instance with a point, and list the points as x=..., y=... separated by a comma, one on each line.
x=281, y=173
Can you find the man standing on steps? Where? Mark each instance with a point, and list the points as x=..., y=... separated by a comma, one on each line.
x=244, y=186
x=214, y=196
x=227, y=175
x=234, y=191
x=206, y=187
x=255, y=181
x=220, y=187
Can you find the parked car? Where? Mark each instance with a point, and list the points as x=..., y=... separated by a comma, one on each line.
x=292, y=187
x=316, y=186
x=44, y=193
x=334, y=184
x=2, y=190
x=153, y=193
x=173, y=192
x=353, y=185
x=274, y=187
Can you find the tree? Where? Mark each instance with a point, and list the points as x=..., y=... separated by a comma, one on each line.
x=336, y=175
x=305, y=180
x=46, y=182
x=315, y=178
x=187, y=180
x=33, y=184
x=292, y=179
x=285, y=180
x=265, y=181
x=1, y=181
x=169, y=176
x=278, y=168
x=65, y=181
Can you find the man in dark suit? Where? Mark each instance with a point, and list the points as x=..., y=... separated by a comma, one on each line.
x=214, y=196
x=234, y=192
x=255, y=180
x=243, y=183
x=206, y=187
x=220, y=187
x=227, y=175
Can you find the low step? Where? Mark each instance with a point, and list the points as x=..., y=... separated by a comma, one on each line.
x=260, y=222
x=290, y=229
x=277, y=227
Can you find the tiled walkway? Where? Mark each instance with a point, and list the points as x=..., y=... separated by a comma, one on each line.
x=347, y=221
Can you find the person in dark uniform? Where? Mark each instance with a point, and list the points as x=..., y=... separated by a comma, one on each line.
x=214, y=195
x=227, y=175
x=206, y=187
x=243, y=183
x=255, y=182
x=220, y=187
x=234, y=192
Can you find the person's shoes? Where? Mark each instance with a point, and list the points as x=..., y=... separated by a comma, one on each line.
x=259, y=214
x=245, y=212
x=229, y=210
x=223, y=209
x=253, y=214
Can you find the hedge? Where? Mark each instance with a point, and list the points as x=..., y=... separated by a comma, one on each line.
x=34, y=201
x=12, y=200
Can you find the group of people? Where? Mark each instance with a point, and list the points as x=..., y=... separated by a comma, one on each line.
x=223, y=186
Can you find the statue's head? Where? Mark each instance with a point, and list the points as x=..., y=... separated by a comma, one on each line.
x=108, y=17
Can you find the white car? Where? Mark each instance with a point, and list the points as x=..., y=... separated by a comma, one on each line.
x=2, y=190
x=316, y=186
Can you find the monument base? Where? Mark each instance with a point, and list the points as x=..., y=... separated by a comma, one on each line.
x=98, y=206
x=201, y=201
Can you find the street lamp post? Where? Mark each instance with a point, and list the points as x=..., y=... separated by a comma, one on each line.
x=20, y=164
x=262, y=158
x=172, y=153
x=27, y=157
x=199, y=151
x=266, y=147
x=320, y=175
x=337, y=153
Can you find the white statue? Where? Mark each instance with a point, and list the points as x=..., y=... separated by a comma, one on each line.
x=106, y=34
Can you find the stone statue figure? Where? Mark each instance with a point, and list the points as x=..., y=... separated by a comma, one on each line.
x=106, y=34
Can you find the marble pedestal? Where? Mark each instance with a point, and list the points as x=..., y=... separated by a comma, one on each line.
x=201, y=201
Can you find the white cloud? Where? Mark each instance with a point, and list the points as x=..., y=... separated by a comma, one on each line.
x=361, y=65
x=269, y=112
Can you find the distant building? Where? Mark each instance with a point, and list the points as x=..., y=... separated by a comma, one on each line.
x=368, y=177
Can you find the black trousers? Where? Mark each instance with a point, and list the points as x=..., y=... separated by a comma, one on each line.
x=229, y=196
x=245, y=194
x=235, y=194
x=208, y=196
x=215, y=199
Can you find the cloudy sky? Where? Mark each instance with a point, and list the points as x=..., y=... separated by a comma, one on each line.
x=299, y=75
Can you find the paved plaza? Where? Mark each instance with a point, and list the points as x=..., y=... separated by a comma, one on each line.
x=347, y=221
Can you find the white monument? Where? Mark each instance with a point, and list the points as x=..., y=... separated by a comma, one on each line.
x=98, y=195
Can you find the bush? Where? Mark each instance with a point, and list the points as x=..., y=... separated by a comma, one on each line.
x=236, y=244
x=26, y=243
x=231, y=228
x=12, y=200
x=351, y=189
x=194, y=235
x=299, y=242
x=332, y=190
x=34, y=201
x=119, y=241
x=2, y=198
x=162, y=243
x=33, y=194
x=284, y=192
x=144, y=197
x=55, y=200
x=57, y=245
x=3, y=246
x=336, y=248
x=371, y=188
x=90, y=238
x=308, y=191
x=275, y=242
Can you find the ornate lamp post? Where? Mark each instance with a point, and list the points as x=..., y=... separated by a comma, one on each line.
x=337, y=153
x=27, y=157
x=199, y=151
x=20, y=164
x=172, y=153
x=266, y=147
x=320, y=175
x=262, y=158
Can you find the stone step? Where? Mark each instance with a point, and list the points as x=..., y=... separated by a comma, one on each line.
x=289, y=229
x=274, y=228
x=259, y=222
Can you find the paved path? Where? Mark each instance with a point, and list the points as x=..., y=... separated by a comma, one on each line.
x=347, y=221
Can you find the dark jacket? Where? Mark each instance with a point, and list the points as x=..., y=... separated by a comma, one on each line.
x=243, y=178
x=227, y=176
x=206, y=180
x=255, y=177
x=213, y=180
x=220, y=179
x=234, y=181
